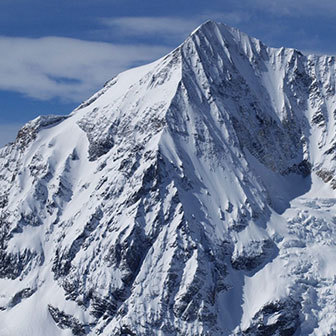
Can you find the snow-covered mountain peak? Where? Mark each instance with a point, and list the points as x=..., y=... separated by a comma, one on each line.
x=169, y=201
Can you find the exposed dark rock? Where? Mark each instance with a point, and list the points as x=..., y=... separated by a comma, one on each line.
x=318, y=119
x=103, y=307
x=276, y=318
x=126, y=331
x=327, y=176
x=66, y=321
x=13, y=264
x=303, y=168
x=331, y=150
x=99, y=148
x=3, y=201
x=253, y=255
x=62, y=260
x=29, y=131
x=100, y=141
x=187, y=306
x=19, y=296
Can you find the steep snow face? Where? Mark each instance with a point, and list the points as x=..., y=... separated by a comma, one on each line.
x=191, y=196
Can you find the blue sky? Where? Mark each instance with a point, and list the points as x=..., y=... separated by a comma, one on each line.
x=55, y=54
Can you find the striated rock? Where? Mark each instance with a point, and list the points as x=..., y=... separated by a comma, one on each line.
x=276, y=318
x=29, y=131
x=253, y=255
x=66, y=321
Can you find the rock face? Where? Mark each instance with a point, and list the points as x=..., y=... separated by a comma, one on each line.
x=191, y=196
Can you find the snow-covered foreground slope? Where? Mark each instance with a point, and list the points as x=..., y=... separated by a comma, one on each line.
x=191, y=196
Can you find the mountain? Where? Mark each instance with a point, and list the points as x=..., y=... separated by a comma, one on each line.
x=191, y=196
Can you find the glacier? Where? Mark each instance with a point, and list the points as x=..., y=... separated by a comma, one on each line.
x=191, y=196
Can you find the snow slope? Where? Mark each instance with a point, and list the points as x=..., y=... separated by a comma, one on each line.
x=191, y=196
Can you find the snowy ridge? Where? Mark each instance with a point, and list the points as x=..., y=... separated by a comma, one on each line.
x=171, y=200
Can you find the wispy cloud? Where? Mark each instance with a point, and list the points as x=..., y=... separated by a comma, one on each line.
x=72, y=69
x=296, y=8
x=145, y=26
x=168, y=27
x=232, y=18
x=51, y=67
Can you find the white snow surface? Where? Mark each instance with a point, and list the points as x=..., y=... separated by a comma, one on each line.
x=191, y=196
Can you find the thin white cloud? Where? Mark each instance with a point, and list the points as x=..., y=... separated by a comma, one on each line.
x=234, y=17
x=295, y=8
x=72, y=69
x=168, y=27
x=148, y=26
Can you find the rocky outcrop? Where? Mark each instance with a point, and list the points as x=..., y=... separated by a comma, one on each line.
x=253, y=255
x=276, y=318
x=66, y=321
